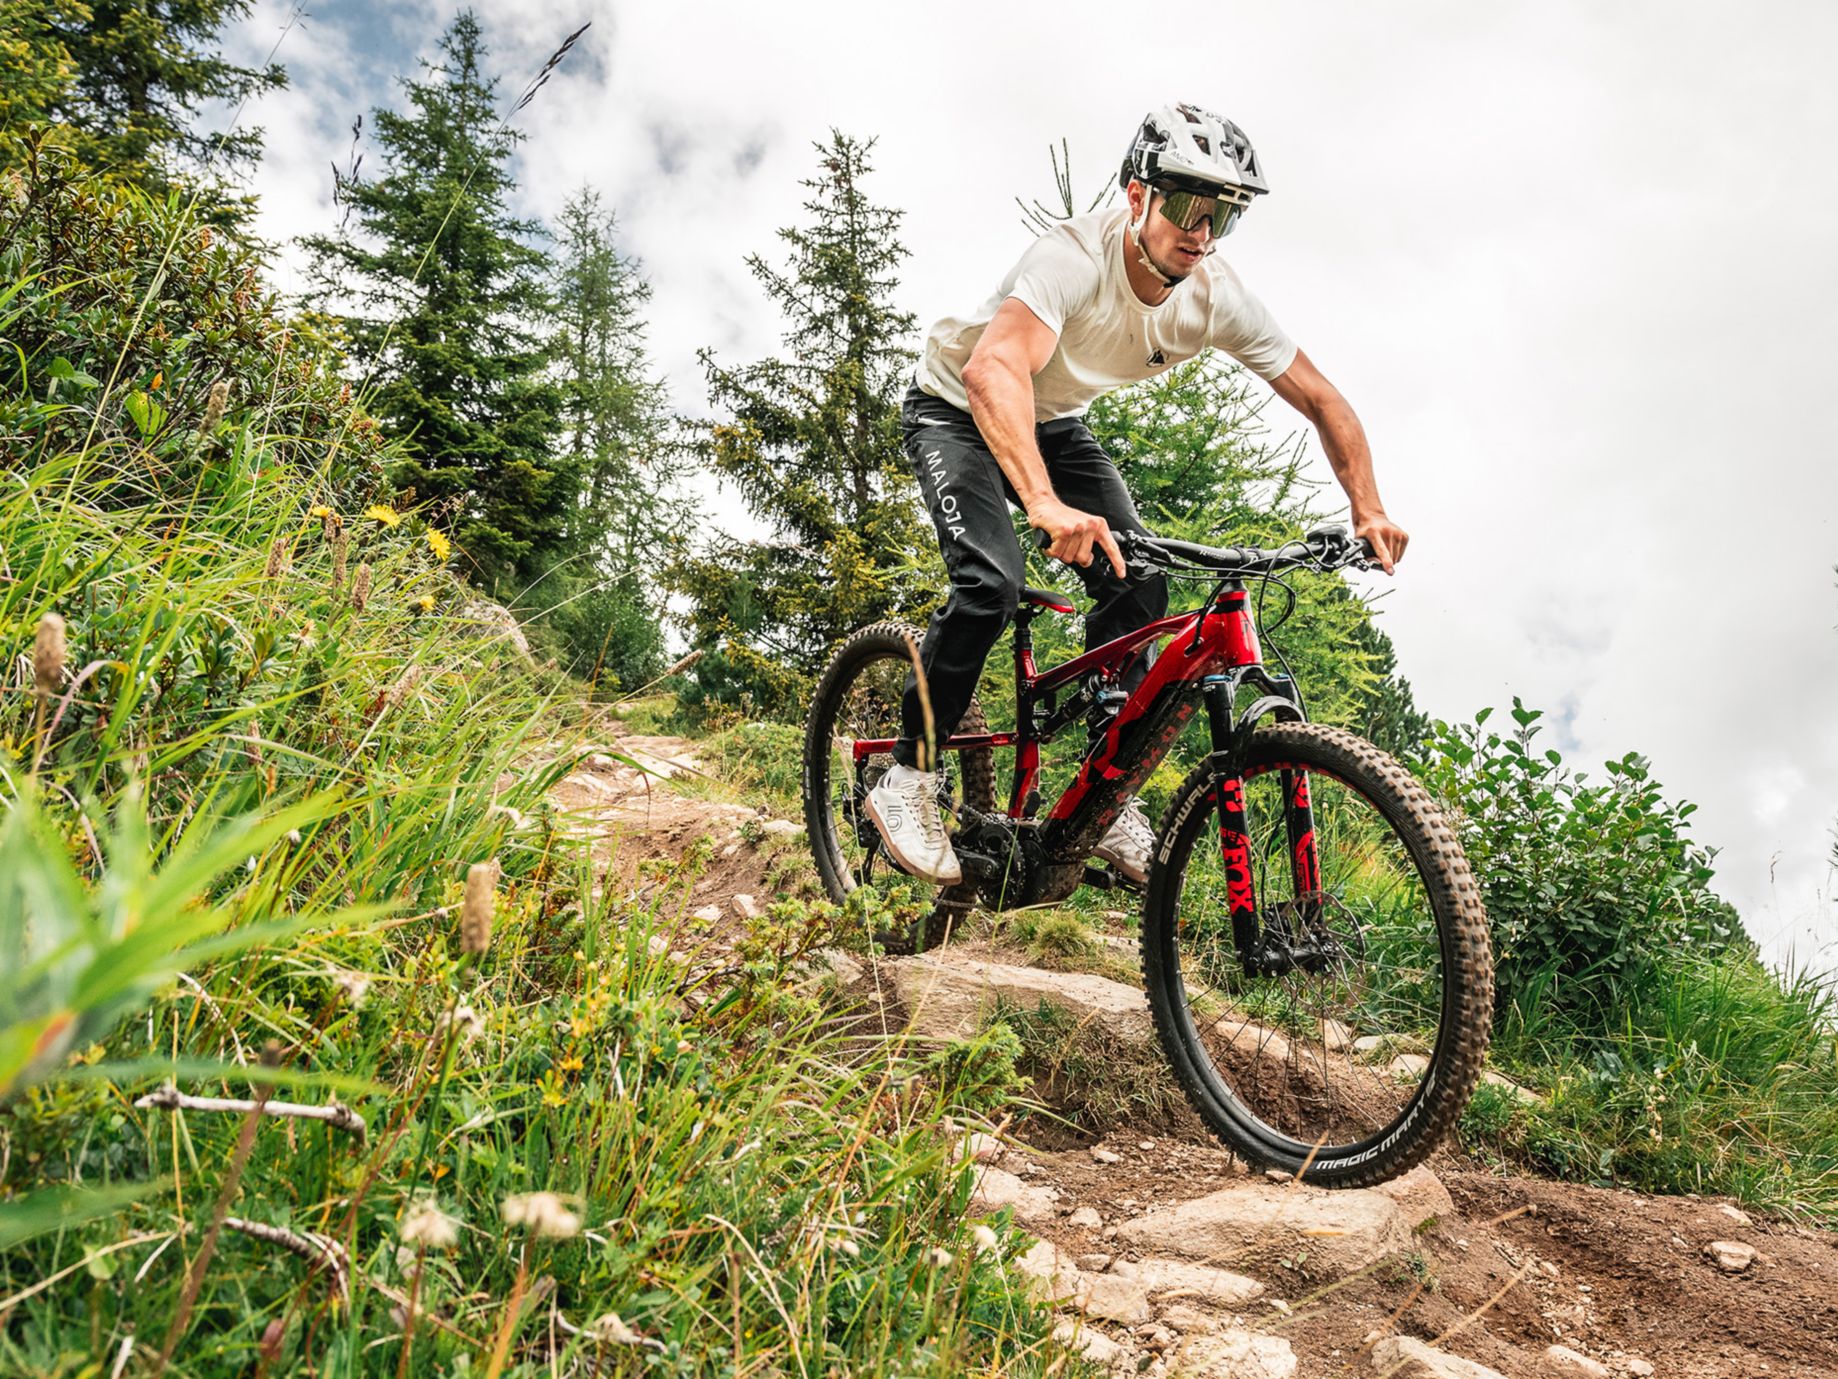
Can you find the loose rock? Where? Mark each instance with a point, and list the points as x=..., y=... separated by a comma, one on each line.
x=1571, y=1364
x=1105, y=1156
x=1172, y=1279
x=1731, y=1256
x=1112, y=1297
x=1236, y=1354
x=1405, y=1357
x=1093, y=1345
x=746, y=906
x=1334, y=1233
x=1085, y=1216
x=984, y=1149
x=997, y=1188
x=1736, y=1214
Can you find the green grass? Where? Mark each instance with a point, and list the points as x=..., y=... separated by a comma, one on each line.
x=239, y=823
x=1726, y=1081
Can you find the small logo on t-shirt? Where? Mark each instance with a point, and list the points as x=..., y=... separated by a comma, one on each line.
x=1156, y=360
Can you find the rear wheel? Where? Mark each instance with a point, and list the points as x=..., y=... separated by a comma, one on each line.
x=1349, y=1062
x=859, y=699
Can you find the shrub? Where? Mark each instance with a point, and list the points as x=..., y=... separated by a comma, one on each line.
x=1592, y=889
x=124, y=314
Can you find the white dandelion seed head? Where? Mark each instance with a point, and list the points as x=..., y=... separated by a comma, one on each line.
x=465, y=1023
x=984, y=1238
x=543, y=1214
x=940, y=1258
x=353, y=986
x=429, y=1228
x=848, y=1247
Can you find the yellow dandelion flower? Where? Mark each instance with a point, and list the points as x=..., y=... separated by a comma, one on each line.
x=438, y=543
x=553, y=1092
x=320, y=511
x=388, y=516
x=571, y=1063
x=425, y=603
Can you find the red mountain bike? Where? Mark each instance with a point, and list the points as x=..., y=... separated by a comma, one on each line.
x=1320, y=975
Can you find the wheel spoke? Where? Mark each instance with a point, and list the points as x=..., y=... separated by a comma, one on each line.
x=1355, y=959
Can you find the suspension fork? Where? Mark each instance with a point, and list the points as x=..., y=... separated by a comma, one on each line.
x=1234, y=839
x=1234, y=835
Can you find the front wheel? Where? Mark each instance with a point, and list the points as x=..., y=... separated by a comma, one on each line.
x=1338, y=1029
x=858, y=700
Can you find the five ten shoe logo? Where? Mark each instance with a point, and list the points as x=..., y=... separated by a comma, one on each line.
x=1155, y=361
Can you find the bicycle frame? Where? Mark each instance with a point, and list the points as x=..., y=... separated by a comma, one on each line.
x=1209, y=653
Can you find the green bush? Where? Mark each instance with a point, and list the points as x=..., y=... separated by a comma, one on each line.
x=121, y=314
x=1592, y=889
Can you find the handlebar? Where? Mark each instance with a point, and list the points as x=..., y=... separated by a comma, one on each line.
x=1326, y=547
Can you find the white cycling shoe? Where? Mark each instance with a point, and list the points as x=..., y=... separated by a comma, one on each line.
x=904, y=806
x=1130, y=843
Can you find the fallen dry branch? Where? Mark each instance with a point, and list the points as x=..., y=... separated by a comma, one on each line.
x=333, y=1113
x=316, y=1250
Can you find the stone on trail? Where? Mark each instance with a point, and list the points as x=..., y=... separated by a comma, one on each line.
x=708, y=914
x=1093, y=1345
x=1105, y=1156
x=1056, y=1275
x=1085, y=1216
x=1565, y=1363
x=1420, y=1195
x=781, y=828
x=953, y=998
x=1408, y=1065
x=997, y=1188
x=1405, y=1357
x=1731, y=1256
x=1176, y=1279
x=1335, y=1233
x=1235, y=1354
x=983, y=1149
x=1113, y=1298
x=1736, y=1214
x=746, y=906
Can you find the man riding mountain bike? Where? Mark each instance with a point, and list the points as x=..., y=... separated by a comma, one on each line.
x=996, y=416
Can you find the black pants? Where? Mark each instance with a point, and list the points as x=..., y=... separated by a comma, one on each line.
x=968, y=497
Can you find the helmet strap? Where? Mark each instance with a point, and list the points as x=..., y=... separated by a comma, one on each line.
x=1142, y=255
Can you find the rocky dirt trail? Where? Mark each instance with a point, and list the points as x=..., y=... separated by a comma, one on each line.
x=1167, y=1257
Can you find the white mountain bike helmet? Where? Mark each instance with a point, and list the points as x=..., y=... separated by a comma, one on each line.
x=1201, y=163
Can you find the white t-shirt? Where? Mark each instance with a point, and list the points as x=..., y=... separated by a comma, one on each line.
x=1072, y=278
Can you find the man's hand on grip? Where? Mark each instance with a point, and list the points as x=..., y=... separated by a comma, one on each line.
x=1074, y=533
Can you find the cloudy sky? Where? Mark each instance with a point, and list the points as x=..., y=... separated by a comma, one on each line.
x=1572, y=263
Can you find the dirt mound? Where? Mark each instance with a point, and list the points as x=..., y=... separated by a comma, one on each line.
x=1133, y=1202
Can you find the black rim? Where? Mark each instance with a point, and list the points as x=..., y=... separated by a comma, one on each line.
x=1337, y=1057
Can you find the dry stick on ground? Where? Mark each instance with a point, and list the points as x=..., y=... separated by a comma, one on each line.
x=317, y=1250
x=194, y=1279
x=333, y=1113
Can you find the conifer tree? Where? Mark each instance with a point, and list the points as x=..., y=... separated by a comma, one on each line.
x=126, y=83
x=1193, y=449
x=441, y=292
x=615, y=430
x=811, y=442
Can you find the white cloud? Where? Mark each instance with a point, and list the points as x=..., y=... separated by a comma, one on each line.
x=1570, y=262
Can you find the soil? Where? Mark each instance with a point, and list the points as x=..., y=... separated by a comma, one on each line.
x=1522, y=1264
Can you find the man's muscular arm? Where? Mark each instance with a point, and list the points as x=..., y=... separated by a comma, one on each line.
x=1303, y=387
x=999, y=378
